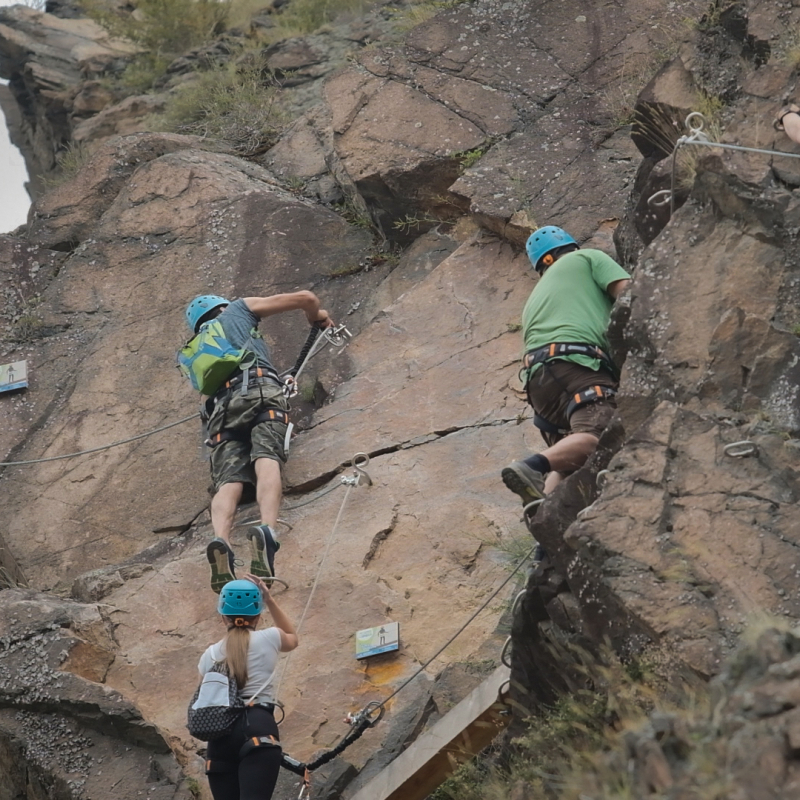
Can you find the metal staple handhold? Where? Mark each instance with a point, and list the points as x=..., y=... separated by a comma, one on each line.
x=601, y=474
x=528, y=509
x=660, y=198
x=740, y=449
x=504, y=652
x=515, y=604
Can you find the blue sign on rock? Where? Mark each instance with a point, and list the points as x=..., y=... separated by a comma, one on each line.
x=13, y=376
x=380, y=639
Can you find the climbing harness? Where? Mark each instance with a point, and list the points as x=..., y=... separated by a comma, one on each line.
x=545, y=425
x=695, y=122
x=250, y=376
x=561, y=349
x=740, y=449
x=338, y=337
x=591, y=395
x=243, y=434
x=545, y=354
x=252, y=744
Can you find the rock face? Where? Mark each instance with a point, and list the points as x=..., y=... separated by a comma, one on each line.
x=46, y=60
x=62, y=730
x=752, y=723
x=487, y=120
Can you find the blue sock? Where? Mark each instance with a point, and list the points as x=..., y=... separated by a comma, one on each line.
x=539, y=463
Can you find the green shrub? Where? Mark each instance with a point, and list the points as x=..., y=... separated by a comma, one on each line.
x=68, y=162
x=230, y=104
x=306, y=16
x=163, y=30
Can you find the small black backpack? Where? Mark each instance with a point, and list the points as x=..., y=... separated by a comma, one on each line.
x=215, y=705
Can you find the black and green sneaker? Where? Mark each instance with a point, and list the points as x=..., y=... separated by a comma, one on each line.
x=525, y=482
x=263, y=546
x=220, y=557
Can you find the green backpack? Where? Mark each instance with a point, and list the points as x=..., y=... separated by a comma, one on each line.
x=209, y=359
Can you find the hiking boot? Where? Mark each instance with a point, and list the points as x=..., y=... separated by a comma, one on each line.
x=263, y=547
x=220, y=557
x=523, y=481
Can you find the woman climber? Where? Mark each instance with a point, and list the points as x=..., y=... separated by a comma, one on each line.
x=244, y=764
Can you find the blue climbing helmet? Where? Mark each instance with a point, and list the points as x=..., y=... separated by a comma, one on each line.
x=543, y=240
x=240, y=599
x=200, y=306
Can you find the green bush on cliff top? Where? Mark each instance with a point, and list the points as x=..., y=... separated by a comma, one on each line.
x=167, y=29
x=233, y=104
x=163, y=30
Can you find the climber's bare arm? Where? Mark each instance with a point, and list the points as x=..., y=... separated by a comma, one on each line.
x=304, y=301
x=616, y=288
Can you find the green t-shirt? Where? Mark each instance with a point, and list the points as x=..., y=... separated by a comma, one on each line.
x=570, y=304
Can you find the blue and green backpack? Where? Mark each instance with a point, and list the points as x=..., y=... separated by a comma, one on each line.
x=209, y=359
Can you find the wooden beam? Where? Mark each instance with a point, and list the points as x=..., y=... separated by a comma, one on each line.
x=457, y=737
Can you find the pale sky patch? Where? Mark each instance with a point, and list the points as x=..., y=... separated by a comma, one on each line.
x=14, y=200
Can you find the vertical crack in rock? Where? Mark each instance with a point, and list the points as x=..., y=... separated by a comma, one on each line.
x=379, y=538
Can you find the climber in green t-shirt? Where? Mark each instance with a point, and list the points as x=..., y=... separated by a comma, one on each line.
x=570, y=378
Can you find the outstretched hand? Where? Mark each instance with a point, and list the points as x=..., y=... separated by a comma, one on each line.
x=323, y=319
x=264, y=589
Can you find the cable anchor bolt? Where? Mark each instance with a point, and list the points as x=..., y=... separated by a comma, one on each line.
x=695, y=122
x=360, y=475
x=338, y=337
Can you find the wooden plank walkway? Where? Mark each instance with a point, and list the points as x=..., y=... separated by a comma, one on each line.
x=457, y=737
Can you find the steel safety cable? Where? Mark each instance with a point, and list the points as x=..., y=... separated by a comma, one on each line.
x=694, y=122
x=447, y=644
x=100, y=447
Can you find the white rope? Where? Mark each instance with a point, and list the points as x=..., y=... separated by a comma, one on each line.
x=331, y=535
x=98, y=449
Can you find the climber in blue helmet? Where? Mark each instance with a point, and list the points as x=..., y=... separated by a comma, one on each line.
x=247, y=424
x=570, y=379
x=244, y=764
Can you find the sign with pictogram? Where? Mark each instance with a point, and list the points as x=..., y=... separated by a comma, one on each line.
x=380, y=639
x=13, y=376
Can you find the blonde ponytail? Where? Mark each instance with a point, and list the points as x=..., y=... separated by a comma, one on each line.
x=237, y=644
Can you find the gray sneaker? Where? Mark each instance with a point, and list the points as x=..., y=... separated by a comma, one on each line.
x=523, y=481
x=263, y=547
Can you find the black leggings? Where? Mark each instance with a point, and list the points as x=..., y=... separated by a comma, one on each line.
x=253, y=777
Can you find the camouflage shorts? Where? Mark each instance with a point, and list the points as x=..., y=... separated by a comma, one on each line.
x=232, y=461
